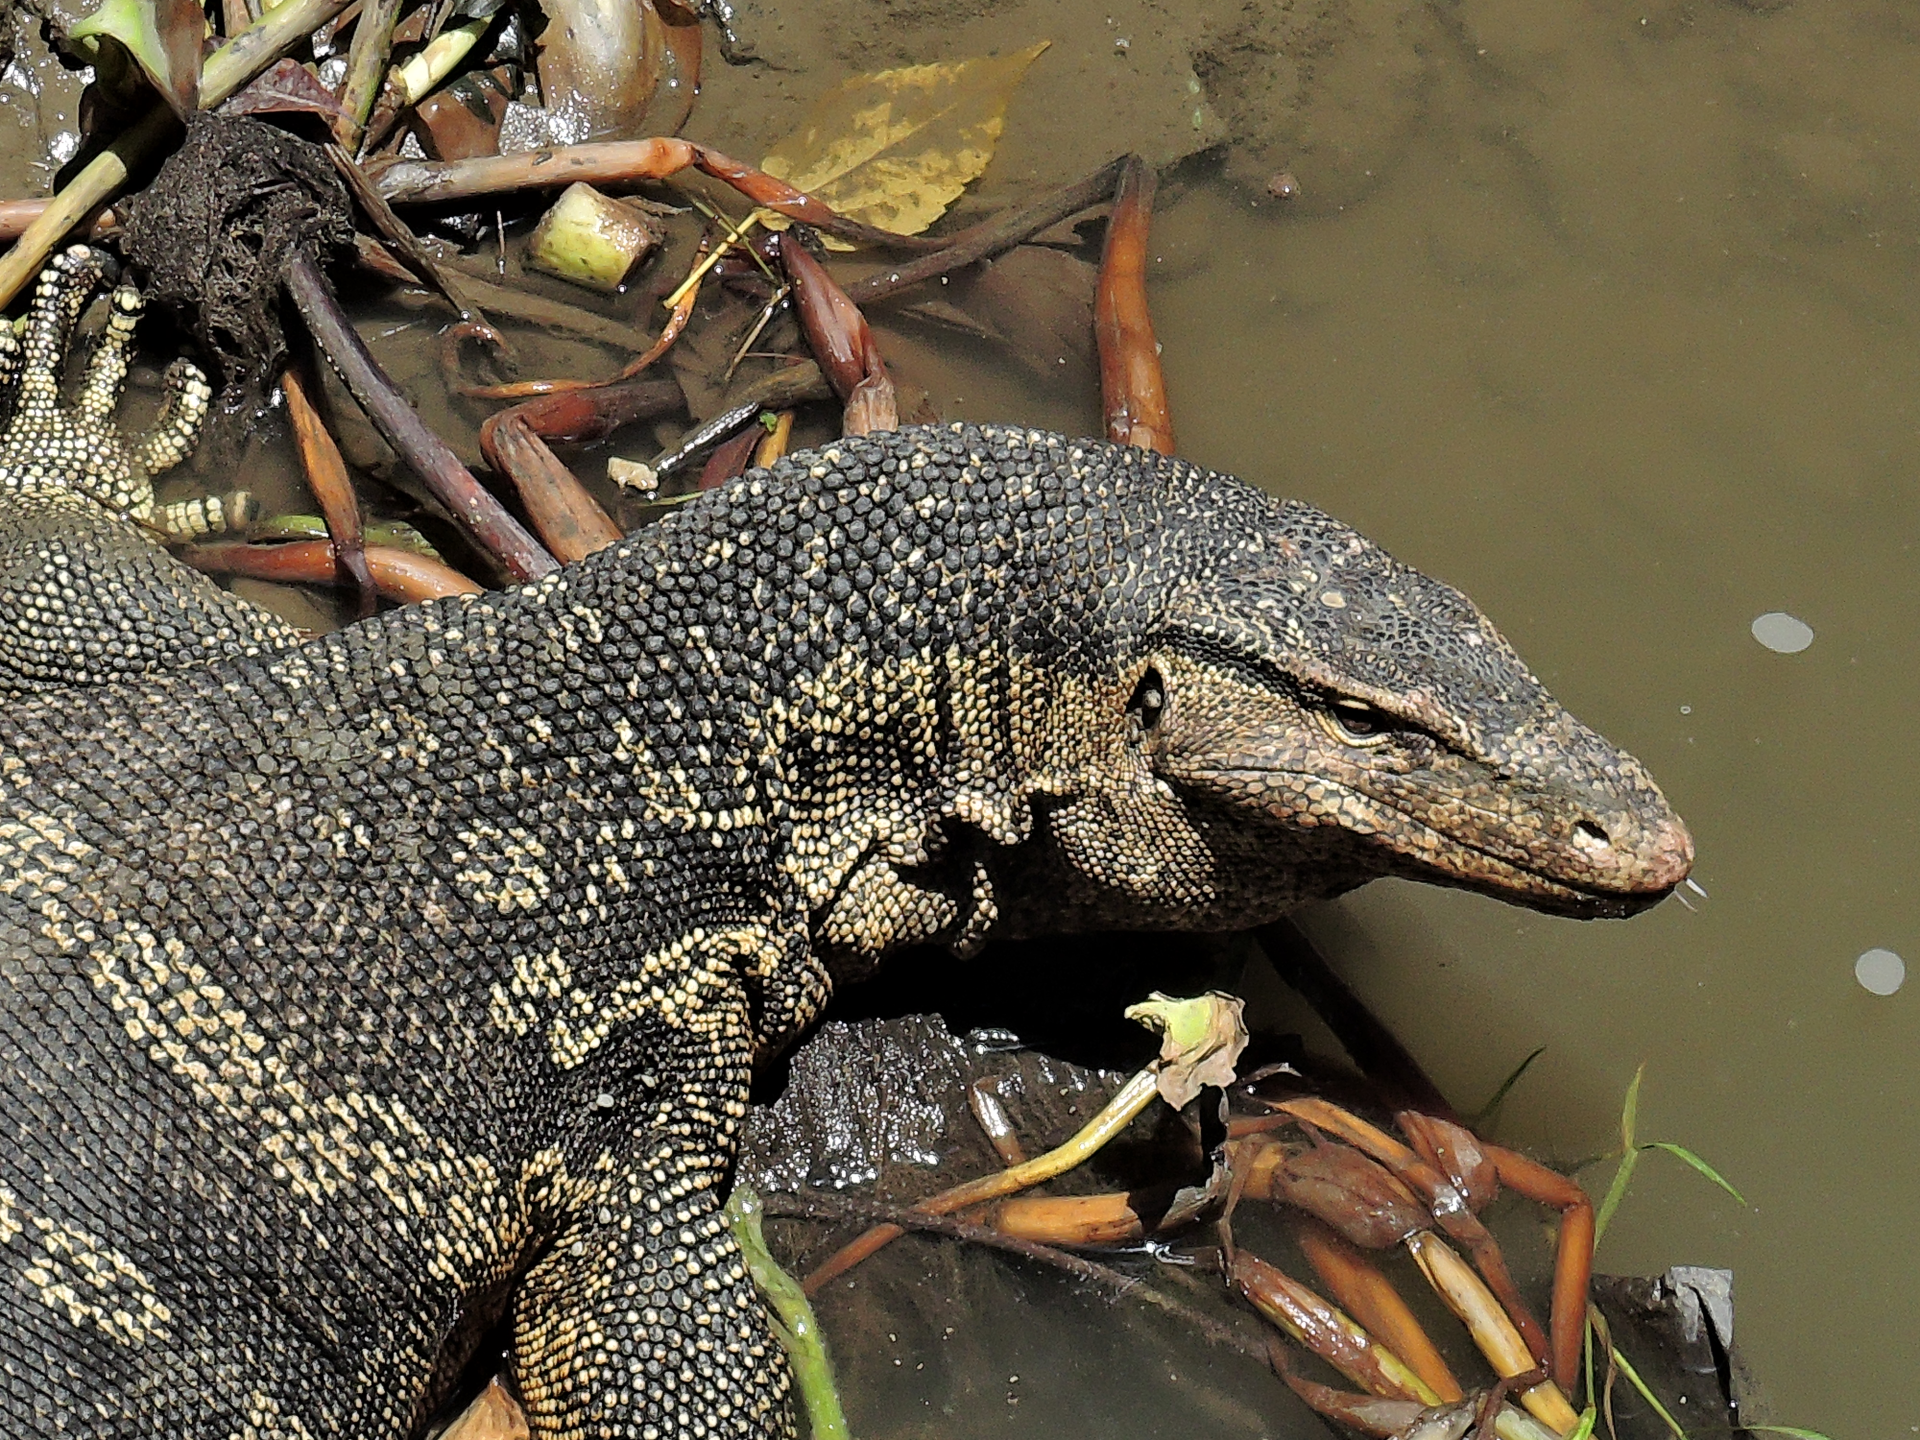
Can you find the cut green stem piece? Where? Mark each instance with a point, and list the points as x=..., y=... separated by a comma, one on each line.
x=797, y=1326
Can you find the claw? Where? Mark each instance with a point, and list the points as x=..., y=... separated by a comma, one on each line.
x=76, y=448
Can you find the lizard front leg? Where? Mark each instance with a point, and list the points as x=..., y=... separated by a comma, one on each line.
x=642, y=1320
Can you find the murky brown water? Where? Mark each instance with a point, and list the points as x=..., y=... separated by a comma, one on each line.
x=1610, y=314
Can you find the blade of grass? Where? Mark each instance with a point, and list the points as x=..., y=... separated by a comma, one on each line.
x=1793, y=1431
x=1630, y=1111
x=1584, y=1429
x=1633, y=1378
x=1681, y=1152
x=1486, y=1112
x=1616, y=1192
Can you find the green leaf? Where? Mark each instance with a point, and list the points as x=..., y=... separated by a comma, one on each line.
x=162, y=37
x=1681, y=1152
x=1616, y=1192
x=1791, y=1430
x=1583, y=1428
x=1485, y=1112
x=1630, y=1112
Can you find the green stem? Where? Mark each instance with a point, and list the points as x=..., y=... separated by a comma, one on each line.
x=795, y=1324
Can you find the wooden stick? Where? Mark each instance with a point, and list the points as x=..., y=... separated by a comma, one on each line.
x=990, y=237
x=471, y=505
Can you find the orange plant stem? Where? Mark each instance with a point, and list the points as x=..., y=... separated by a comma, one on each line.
x=1572, y=1255
x=401, y=575
x=1367, y=1295
x=1132, y=387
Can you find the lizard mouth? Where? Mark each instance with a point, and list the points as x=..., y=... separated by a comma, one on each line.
x=1600, y=870
x=1606, y=866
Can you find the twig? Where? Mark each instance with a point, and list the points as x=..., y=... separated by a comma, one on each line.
x=453, y=290
x=473, y=507
x=990, y=237
x=1380, y=1056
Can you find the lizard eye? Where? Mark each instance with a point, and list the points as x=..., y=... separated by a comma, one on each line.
x=1149, y=702
x=1357, y=723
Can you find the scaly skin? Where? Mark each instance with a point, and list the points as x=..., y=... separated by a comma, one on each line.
x=87, y=594
x=366, y=995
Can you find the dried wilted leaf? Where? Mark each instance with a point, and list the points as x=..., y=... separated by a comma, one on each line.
x=895, y=148
x=1200, y=1041
x=288, y=87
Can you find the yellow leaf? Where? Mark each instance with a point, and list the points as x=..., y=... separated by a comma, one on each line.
x=895, y=148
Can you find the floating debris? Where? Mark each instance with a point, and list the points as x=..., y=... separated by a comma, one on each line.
x=1781, y=632
x=1880, y=971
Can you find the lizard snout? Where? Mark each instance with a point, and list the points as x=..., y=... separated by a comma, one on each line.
x=1641, y=855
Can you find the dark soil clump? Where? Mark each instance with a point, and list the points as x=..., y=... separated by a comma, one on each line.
x=212, y=235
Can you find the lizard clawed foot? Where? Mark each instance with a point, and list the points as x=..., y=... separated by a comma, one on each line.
x=48, y=447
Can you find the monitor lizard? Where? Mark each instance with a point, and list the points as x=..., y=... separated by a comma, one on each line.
x=364, y=995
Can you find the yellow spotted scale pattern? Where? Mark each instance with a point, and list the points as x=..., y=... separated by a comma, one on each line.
x=87, y=593
x=400, y=989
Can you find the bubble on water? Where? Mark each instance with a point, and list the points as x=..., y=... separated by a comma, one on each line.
x=1780, y=631
x=1880, y=971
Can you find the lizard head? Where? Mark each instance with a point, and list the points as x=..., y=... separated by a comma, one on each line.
x=1050, y=685
x=1282, y=711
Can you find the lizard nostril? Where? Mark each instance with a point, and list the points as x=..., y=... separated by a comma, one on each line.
x=1589, y=836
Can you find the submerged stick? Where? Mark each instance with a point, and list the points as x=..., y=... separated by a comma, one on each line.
x=1132, y=386
x=1372, y=1046
x=452, y=288
x=471, y=505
